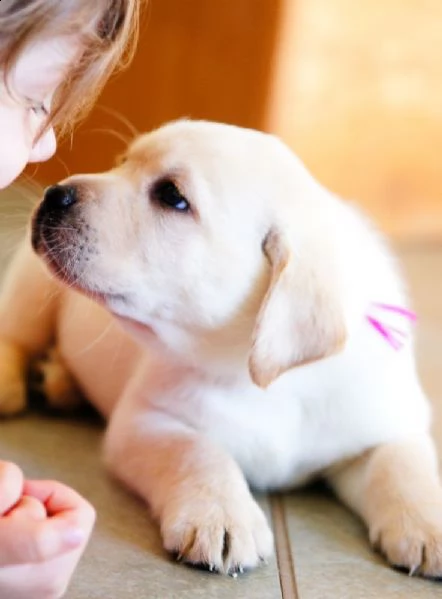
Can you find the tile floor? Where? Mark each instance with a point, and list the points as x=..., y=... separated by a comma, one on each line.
x=322, y=551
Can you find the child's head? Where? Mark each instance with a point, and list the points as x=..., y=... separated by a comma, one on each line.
x=55, y=56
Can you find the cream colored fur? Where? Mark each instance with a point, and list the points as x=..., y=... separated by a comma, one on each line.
x=229, y=344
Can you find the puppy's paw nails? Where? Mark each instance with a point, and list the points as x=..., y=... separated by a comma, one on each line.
x=412, y=540
x=13, y=397
x=228, y=537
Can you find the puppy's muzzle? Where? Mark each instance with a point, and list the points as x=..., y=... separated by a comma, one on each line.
x=57, y=202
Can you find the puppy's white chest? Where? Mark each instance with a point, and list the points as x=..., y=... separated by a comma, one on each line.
x=308, y=421
x=275, y=438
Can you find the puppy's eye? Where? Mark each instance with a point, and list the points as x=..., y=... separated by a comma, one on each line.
x=167, y=194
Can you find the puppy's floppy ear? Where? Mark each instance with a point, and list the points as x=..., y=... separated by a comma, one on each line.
x=300, y=319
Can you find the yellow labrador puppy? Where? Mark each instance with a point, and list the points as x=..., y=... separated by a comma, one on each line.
x=238, y=325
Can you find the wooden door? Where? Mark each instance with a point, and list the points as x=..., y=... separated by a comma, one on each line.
x=210, y=59
x=355, y=88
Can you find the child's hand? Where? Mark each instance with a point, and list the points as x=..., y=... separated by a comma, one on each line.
x=11, y=486
x=42, y=536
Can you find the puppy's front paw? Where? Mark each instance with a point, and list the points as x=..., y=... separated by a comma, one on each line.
x=410, y=536
x=228, y=534
x=13, y=390
x=56, y=382
x=13, y=397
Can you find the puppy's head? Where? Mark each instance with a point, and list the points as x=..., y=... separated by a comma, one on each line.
x=203, y=231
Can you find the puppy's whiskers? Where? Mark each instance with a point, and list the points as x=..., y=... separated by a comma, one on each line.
x=95, y=341
x=121, y=118
x=120, y=136
x=60, y=228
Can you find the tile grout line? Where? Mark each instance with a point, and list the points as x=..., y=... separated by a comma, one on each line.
x=284, y=558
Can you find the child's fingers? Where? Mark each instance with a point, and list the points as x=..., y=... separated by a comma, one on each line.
x=11, y=486
x=64, y=506
x=28, y=540
x=28, y=507
x=62, y=502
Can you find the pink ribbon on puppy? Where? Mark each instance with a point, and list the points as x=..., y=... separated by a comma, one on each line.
x=392, y=334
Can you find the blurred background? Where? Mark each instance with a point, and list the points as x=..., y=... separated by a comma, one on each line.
x=354, y=87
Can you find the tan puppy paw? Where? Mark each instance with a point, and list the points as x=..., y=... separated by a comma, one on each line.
x=225, y=534
x=13, y=397
x=57, y=384
x=410, y=536
x=13, y=388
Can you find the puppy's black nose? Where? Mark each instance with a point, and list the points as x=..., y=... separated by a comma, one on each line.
x=59, y=197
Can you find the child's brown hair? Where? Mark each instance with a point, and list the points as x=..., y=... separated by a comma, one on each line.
x=106, y=29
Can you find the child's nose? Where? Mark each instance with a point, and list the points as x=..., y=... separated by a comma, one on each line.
x=44, y=148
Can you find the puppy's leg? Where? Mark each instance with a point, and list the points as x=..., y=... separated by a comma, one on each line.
x=195, y=490
x=27, y=321
x=395, y=488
